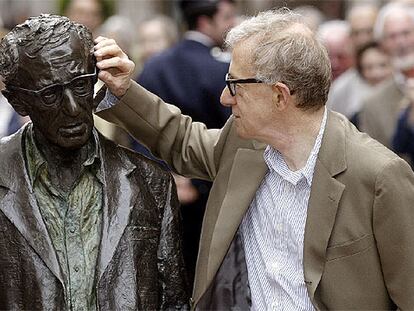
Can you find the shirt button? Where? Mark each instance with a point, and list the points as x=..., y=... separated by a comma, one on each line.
x=72, y=230
x=77, y=269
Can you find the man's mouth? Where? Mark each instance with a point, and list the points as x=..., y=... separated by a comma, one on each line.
x=75, y=129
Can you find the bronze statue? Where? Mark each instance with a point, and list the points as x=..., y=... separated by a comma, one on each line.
x=84, y=224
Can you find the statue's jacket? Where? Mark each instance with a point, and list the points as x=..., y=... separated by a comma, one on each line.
x=140, y=264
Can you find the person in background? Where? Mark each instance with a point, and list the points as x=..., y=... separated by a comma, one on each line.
x=155, y=35
x=361, y=18
x=349, y=89
x=394, y=30
x=336, y=36
x=312, y=16
x=306, y=212
x=374, y=68
x=373, y=63
x=190, y=75
x=403, y=139
x=91, y=13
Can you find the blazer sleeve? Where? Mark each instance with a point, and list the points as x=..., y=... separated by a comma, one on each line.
x=188, y=147
x=393, y=222
x=171, y=268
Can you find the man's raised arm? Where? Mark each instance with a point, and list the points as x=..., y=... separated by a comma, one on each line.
x=188, y=147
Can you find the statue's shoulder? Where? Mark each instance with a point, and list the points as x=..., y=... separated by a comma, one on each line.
x=10, y=145
x=146, y=167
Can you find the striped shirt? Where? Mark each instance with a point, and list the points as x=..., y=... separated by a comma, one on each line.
x=273, y=231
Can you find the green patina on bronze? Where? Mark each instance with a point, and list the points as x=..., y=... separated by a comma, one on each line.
x=73, y=220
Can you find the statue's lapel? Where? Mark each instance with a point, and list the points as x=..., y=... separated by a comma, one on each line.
x=119, y=197
x=18, y=204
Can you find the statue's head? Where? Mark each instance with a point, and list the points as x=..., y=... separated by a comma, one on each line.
x=49, y=71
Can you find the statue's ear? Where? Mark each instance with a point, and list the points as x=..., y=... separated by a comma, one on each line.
x=17, y=103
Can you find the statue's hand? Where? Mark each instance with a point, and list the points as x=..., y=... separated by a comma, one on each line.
x=115, y=67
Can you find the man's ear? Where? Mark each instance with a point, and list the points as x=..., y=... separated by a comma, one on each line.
x=16, y=102
x=281, y=95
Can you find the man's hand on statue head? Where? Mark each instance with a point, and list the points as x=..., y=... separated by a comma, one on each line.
x=115, y=68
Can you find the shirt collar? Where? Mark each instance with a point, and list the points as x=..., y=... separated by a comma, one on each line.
x=274, y=160
x=35, y=160
x=199, y=37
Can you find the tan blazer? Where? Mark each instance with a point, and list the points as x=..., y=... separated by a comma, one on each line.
x=359, y=235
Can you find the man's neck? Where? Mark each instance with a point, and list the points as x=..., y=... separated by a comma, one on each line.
x=297, y=138
x=200, y=37
x=64, y=166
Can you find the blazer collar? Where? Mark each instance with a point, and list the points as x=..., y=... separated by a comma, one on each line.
x=247, y=172
x=324, y=199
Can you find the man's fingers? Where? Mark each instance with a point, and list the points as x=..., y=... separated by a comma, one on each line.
x=109, y=51
x=123, y=65
x=103, y=42
x=99, y=39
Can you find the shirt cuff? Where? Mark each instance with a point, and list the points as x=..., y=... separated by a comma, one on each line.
x=108, y=101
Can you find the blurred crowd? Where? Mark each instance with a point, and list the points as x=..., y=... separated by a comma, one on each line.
x=184, y=62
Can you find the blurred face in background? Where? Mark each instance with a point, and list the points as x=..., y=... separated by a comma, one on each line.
x=375, y=66
x=340, y=53
x=154, y=37
x=398, y=37
x=362, y=20
x=222, y=22
x=86, y=12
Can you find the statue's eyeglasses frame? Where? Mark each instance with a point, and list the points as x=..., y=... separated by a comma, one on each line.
x=53, y=94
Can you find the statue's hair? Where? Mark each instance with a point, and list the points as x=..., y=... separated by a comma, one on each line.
x=34, y=35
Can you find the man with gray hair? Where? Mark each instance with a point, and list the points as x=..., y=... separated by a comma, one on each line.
x=305, y=211
x=394, y=29
x=84, y=224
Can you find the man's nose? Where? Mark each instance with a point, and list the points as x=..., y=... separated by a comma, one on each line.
x=226, y=99
x=70, y=105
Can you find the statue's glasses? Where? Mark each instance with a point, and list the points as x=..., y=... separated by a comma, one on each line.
x=231, y=83
x=80, y=86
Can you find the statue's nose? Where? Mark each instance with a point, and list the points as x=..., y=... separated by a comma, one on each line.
x=70, y=105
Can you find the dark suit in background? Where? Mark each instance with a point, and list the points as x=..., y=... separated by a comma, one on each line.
x=189, y=76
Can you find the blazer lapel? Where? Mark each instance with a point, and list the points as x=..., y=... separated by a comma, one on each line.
x=245, y=177
x=323, y=202
x=119, y=196
x=20, y=207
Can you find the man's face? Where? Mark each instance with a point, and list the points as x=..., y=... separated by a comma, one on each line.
x=222, y=21
x=62, y=112
x=398, y=39
x=340, y=54
x=252, y=107
x=362, y=24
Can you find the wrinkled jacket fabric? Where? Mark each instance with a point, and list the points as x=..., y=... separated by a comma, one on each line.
x=139, y=266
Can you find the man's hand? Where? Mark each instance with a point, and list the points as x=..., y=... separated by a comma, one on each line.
x=114, y=65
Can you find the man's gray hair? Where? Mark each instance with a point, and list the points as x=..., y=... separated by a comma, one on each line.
x=35, y=34
x=287, y=51
x=386, y=11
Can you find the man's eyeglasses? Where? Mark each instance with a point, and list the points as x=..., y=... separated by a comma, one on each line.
x=50, y=95
x=231, y=83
